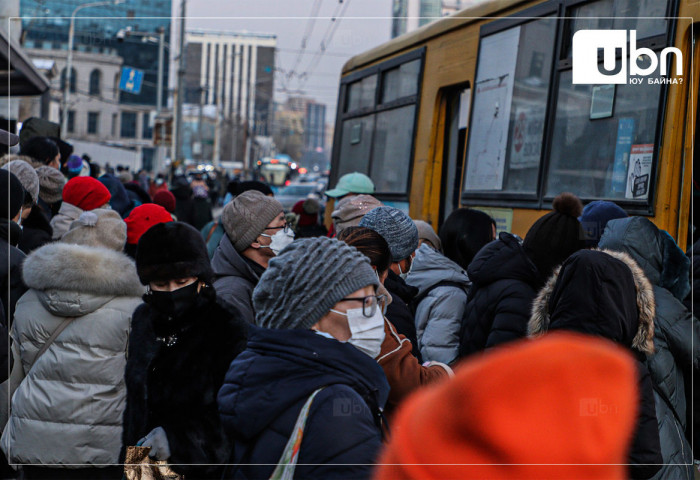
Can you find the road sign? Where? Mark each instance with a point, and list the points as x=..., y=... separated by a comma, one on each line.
x=131, y=80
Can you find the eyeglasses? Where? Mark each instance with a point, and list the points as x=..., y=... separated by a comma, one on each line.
x=369, y=303
x=285, y=228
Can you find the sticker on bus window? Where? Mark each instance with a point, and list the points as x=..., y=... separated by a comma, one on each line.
x=639, y=171
x=602, y=101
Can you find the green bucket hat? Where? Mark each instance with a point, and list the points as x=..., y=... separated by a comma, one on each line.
x=352, y=183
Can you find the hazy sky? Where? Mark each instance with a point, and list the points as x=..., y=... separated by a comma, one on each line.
x=352, y=33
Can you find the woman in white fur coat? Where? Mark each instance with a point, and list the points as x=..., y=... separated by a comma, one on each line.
x=66, y=415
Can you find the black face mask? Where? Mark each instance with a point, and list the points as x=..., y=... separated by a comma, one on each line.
x=173, y=304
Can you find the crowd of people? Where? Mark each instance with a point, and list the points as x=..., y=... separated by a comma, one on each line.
x=261, y=345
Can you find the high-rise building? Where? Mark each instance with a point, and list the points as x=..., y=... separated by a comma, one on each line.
x=314, y=126
x=412, y=14
x=233, y=72
x=45, y=26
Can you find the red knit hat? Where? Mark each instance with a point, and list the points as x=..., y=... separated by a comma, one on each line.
x=85, y=193
x=165, y=199
x=142, y=218
x=563, y=406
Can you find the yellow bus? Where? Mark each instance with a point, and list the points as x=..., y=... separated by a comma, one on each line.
x=480, y=109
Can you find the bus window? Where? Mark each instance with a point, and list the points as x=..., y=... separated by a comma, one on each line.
x=376, y=135
x=598, y=16
x=456, y=115
x=391, y=152
x=590, y=155
x=604, y=136
x=401, y=81
x=510, y=100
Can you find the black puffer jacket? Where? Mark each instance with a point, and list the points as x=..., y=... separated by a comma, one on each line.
x=175, y=387
x=398, y=311
x=676, y=334
x=504, y=284
x=11, y=258
x=606, y=294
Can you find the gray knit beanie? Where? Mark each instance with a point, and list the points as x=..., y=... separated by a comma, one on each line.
x=51, y=182
x=100, y=227
x=246, y=217
x=306, y=280
x=396, y=227
x=27, y=176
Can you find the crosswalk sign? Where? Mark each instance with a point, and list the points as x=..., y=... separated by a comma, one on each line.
x=131, y=80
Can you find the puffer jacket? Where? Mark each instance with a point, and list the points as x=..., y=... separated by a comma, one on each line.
x=605, y=293
x=504, y=284
x=234, y=281
x=266, y=387
x=61, y=222
x=439, y=313
x=676, y=333
x=68, y=409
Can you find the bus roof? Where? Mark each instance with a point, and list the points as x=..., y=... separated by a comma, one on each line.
x=464, y=17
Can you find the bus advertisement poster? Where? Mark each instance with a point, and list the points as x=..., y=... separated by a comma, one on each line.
x=639, y=171
x=625, y=135
x=492, y=102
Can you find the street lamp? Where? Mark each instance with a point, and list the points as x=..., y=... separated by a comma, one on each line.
x=69, y=61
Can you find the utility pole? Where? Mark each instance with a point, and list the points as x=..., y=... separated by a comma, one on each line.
x=180, y=85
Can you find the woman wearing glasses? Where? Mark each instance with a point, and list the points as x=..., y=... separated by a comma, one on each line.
x=307, y=389
x=403, y=371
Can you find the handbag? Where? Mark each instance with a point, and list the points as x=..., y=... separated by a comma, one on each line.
x=139, y=466
x=288, y=461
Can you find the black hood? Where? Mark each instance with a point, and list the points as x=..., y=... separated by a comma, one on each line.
x=397, y=286
x=598, y=292
x=503, y=259
x=10, y=232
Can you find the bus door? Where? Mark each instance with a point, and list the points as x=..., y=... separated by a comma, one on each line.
x=455, y=107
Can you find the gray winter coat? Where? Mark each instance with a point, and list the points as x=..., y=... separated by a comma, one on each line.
x=675, y=332
x=234, y=281
x=69, y=407
x=439, y=313
x=61, y=222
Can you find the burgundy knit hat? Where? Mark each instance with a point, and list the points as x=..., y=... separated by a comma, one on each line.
x=142, y=218
x=85, y=193
x=165, y=199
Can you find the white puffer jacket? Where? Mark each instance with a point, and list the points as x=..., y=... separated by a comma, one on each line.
x=68, y=409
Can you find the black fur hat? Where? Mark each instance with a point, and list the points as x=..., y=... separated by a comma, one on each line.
x=172, y=250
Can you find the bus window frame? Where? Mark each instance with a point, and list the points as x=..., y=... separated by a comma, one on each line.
x=562, y=9
x=342, y=115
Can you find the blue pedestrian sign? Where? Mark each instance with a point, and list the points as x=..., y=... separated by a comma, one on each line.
x=131, y=80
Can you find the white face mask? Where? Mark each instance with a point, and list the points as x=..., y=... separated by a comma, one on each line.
x=280, y=240
x=367, y=333
x=403, y=275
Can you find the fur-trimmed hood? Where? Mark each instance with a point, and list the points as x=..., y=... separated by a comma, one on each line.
x=595, y=303
x=79, y=277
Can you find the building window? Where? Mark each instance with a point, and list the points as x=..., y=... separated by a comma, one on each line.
x=114, y=124
x=93, y=122
x=73, y=79
x=95, y=79
x=71, y=121
x=128, y=127
x=146, y=127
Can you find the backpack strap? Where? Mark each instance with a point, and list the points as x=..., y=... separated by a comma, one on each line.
x=214, y=226
x=62, y=326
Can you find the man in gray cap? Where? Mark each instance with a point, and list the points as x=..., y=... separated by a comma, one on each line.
x=401, y=234
x=256, y=231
